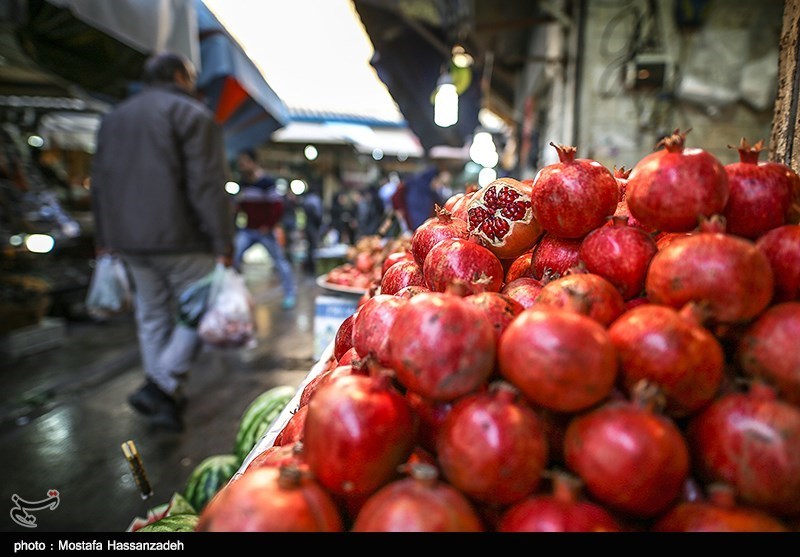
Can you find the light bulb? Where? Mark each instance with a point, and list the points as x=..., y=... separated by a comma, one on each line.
x=445, y=103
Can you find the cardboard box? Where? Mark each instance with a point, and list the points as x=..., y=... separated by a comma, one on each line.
x=329, y=313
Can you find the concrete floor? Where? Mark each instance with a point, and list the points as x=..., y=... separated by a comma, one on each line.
x=64, y=416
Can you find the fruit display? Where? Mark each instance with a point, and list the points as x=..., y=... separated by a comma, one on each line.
x=364, y=262
x=208, y=477
x=584, y=351
x=258, y=416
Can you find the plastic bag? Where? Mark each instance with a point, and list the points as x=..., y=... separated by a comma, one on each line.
x=193, y=301
x=109, y=289
x=229, y=320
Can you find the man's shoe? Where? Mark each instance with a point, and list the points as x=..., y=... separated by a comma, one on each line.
x=169, y=417
x=289, y=302
x=147, y=399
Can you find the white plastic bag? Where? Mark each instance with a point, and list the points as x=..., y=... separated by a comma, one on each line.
x=229, y=320
x=109, y=289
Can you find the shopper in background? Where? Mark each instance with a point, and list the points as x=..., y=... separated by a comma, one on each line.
x=313, y=208
x=262, y=207
x=159, y=202
x=421, y=196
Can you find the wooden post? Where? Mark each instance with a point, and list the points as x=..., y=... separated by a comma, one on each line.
x=785, y=136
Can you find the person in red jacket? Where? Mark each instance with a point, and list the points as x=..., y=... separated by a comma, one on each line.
x=262, y=207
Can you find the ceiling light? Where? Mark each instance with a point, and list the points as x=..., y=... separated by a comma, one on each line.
x=461, y=58
x=445, y=102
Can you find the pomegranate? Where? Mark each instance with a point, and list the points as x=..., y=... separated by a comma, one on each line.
x=719, y=514
x=411, y=290
x=271, y=499
x=620, y=254
x=430, y=415
x=501, y=309
x=622, y=210
x=767, y=349
x=584, y=293
x=372, y=323
x=322, y=378
x=500, y=216
x=452, y=200
x=728, y=273
x=440, y=227
x=395, y=257
x=292, y=432
x=350, y=357
x=457, y=259
x=760, y=196
x=782, y=247
x=563, y=510
x=492, y=447
x=459, y=206
x=441, y=346
x=358, y=429
x=554, y=255
x=673, y=351
x=343, y=340
x=520, y=267
x=418, y=503
x=400, y=275
x=631, y=458
x=573, y=196
x=672, y=188
x=558, y=359
x=523, y=290
x=277, y=456
x=751, y=441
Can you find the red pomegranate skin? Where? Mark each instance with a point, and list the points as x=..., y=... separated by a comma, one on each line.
x=358, y=430
x=523, y=290
x=572, y=197
x=430, y=415
x=631, y=459
x=500, y=309
x=293, y=430
x=372, y=324
x=440, y=227
x=751, y=441
x=760, y=196
x=343, y=340
x=709, y=517
x=394, y=257
x=555, y=255
x=620, y=254
x=558, y=359
x=520, y=267
x=411, y=291
x=400, y=275
x=782, y=247
x=767, y=349
x=658, y=344
x=585, y=293
x=441, y=346
x=351, y=357
x=277, y=456
x=492, y=447
x=728, y=273
x=500, y=216
x=548, y=513
x=322, y=378
x=671, y=189
x=459, y=207
x=462, y=260
x=412, y=504
x=261, y=502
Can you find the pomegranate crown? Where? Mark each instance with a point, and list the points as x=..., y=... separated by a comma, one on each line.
x=674, y=143
x=566, y=153
x=749, y=153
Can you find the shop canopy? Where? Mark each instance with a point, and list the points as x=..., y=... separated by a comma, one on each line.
x=102, y=45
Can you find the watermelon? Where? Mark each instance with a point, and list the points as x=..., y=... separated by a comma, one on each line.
x=208, y=477
x=185, y=522
x=258, y=417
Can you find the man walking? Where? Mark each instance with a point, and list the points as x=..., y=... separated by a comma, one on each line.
x=159, y=201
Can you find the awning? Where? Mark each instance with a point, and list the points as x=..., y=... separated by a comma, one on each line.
x=394, y=141
x=234, y=88
x=410, y=66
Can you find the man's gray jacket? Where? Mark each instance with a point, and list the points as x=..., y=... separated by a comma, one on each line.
x=158, y=177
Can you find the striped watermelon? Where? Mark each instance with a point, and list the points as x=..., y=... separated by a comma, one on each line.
x=208, y=477
x=173, y=523
x=257, y=418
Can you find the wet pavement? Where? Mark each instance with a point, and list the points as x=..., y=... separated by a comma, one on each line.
x=64, y=415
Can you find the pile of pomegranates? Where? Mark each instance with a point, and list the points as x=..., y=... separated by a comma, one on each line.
x=583, y=351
